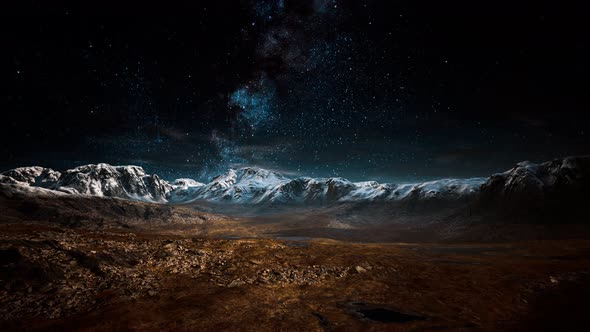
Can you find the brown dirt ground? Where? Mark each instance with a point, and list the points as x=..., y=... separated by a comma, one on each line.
x=197, y=281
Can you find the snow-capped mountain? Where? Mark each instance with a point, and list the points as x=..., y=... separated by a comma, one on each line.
x=185, y=183
x=528, y=181
x=252, y=185
x=130, y=182
x=244, y=185
x=34, y=176
x=183, y=190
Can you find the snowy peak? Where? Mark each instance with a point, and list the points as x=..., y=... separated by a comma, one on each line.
x=248, y=175
x=253, y=185
x=185, y=183
x=114, y=181
x=248, y=185
x=34, y=176
x=326, y=190
x=184, y=190
x=129, y=182
x=257, y=186
x=244, y=185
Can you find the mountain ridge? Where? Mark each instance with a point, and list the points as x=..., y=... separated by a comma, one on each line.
x=253, y=185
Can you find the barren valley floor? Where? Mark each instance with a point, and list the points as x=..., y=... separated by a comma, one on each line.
x=64, y=278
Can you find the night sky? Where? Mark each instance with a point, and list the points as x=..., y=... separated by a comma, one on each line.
x=385, y=90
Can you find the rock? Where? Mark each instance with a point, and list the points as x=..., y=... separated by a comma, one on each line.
x=236, y=283
x=360, y=269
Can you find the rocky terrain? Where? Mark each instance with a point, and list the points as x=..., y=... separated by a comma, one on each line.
x=74, y=268
x=56, y=278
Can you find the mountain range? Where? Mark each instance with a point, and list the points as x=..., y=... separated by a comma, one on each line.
x=256, y=186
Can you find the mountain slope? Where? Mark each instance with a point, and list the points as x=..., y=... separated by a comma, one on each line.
x=549, y=190
x=533, y=181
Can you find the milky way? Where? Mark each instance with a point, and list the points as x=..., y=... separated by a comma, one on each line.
x=361, y=89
